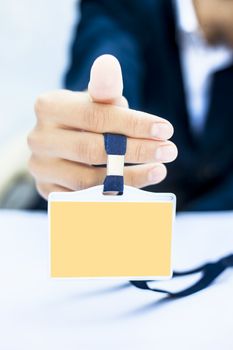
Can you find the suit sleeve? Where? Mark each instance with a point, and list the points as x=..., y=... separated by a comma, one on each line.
x=107, y=27
x=220, y=198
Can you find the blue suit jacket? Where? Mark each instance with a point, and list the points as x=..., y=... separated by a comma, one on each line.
x=142, y=35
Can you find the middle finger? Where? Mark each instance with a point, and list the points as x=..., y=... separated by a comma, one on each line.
x=88, y=148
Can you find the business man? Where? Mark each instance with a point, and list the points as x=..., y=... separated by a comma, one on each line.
x=177, y=63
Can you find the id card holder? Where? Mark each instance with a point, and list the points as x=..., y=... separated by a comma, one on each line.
x=93, y=235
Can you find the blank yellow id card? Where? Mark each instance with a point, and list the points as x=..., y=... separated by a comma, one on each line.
x=97, y=236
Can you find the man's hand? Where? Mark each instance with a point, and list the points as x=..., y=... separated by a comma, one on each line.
x=68, y=138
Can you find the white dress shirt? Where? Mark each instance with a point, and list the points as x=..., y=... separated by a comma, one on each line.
x=199, y=61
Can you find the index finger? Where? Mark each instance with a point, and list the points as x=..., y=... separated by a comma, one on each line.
x=75, y=110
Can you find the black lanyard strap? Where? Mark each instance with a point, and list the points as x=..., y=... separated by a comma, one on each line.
x=210, y=271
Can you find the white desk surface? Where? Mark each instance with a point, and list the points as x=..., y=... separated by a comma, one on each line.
x=37, y=312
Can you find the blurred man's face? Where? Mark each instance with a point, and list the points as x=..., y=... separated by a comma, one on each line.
x=216, y=20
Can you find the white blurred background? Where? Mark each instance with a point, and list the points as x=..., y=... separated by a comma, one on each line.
x=35, y=37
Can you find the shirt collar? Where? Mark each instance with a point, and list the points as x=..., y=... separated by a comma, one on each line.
x=186, y=17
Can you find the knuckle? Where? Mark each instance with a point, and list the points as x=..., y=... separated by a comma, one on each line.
x=36, y=139
x=73, y=179
x=140, y=152
x=93, y=178
x=97, y=119
x=134, y=124
x=87, y=152
x=79, y=183
x=41, y=104
x=97, y=116
x=93, y=154
x=79, y=149
x=31, y=139
x=87, y=179
x=82, y=183
x=131, y=179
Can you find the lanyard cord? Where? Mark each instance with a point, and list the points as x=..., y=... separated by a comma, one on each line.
x=115, y=146
x=210, y=271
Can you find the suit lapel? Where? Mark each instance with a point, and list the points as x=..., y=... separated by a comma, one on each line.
x=175, y=88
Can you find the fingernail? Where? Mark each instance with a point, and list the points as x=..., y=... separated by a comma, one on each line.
x=157, y=174
x=162, y=131
x=166, y=153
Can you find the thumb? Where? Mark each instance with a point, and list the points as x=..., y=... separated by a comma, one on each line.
x=106, y=83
